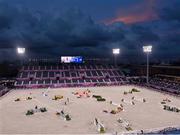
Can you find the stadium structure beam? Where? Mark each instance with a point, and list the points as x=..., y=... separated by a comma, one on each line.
x=116, y=51
x=147, y=50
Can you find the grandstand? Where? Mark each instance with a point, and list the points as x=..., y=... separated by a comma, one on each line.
x=162, y=78
x=69, y=75
x=3, y=90
x=55, y=74
x=157, y=83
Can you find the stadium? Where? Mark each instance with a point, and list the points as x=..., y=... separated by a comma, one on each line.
x=89, y=67
x=82, y=96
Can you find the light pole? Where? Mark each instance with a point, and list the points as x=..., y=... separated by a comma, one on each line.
x=116, y=51
x=147, y=50
x=21, y=51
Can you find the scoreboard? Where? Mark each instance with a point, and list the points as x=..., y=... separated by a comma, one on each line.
x=71, y=59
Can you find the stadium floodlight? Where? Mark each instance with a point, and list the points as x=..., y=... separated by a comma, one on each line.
x=21, y=50
x=116, y=51
x=147, y=50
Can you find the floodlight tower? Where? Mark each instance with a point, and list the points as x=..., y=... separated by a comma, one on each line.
x=116, y=51
x=147, y=50
x=21, y=51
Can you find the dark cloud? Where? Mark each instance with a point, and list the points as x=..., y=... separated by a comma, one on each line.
x=144, y=34
x=74, y=33
x=49, y=34
x=170, y=12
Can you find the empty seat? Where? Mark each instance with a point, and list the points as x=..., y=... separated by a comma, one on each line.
x=31, y=67
x=81, y=80
x=54, y=81
x=99, y=73
x=99, y=67
x=110, y=73
x=100, y=80
x=51, y=74
x=40, y=81
x=26, y=82
x=18, y=82
x=60, y=67
x=66, y=67
x=19, y=75
x=47, y=81
x=120, y=73
x=45, y=74
x=87, y=80
x=106, y=80
x=24, y=74
x=42, y=67
x=82, y=67
x=112, y=79
x=72, y=67
x=77, y=67
x=61, y=81
x=48, y=67
x=38, y=74
x=94, y=73
x=26, y=67
x=54, y=67
x=93, y=66
x=36, y=67
x=88, y=73
x=115, y=73
x=88, y=67
x=73, y=74
x=74, y=81
x=33, y=82
x=68, y=81
x=66, y=73
x=118, y=79
x=94, y=80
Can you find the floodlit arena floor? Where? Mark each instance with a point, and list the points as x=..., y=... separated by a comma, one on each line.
x=83, y=111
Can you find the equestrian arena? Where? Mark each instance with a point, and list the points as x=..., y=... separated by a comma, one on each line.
x=121, y=111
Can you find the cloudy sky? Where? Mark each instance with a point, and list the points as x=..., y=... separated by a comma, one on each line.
x=51, y=28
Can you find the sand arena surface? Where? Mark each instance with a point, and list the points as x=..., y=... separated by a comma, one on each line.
x=83, y=111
